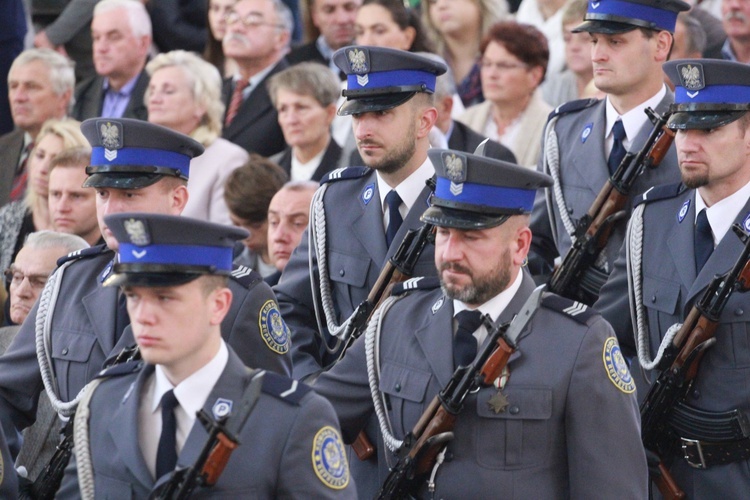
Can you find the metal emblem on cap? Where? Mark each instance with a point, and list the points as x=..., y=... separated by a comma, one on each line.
x=110, y=135
x=455, y=170
x=691, y=77
x=358, y=61
x=137, y=232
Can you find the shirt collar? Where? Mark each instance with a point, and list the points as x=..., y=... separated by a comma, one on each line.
x=634, y=119
x=721, y=215
x=727, y=52
x=410, y=188
x=126, y=89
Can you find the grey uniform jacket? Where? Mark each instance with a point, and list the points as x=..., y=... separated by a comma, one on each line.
x=83, y=337
x=277, y=453
x=670, y=288
x=583, y=173
x=569, y=431
x=356, y=254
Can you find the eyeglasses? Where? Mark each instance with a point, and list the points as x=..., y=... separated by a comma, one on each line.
x=501, y=66
x=15, y=278
x=250, y=21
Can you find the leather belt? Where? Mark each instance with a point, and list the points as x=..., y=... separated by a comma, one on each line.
x=704, y=454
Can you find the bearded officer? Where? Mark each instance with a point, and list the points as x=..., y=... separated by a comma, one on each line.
x=174, y=272
x=562, y=422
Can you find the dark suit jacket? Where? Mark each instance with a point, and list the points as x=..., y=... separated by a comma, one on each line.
x=307, y=52
x=256, y=127
x=465, y=139
x=11, y=145
x=90, y=97
x=329, y=161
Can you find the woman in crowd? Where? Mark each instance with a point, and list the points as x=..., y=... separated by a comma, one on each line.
x=184, y=94
x=514, y=61
x=217, y=28
x=457, y=27
x=387, y=23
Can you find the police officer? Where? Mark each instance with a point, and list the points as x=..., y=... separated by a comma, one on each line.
x=686, y=240
x=561, y=422
x=174, y=272
x=136, y=166
x=585, y=140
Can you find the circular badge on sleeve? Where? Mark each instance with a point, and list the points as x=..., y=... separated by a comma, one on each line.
x=329, y=458
x=274, y=331
x=617, y=367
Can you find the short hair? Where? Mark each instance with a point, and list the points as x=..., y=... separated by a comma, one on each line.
x=61, y=69
x=42, y=240
x=248, y=189
x=307, y=78
x=574, y=11
x=490, y=12
x=524, y=41
x=696, y=34
x=138, y=18
x=205, y=85
x=71, y=157
x=286, y=19
x=211, y=282
x=297, y=186
x=406, y=17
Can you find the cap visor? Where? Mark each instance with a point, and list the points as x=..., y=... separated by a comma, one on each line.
x=150, y=279
x=606, y=27
x=375, y=103
x=121, y=180
x=460, y=219
x=701, y=120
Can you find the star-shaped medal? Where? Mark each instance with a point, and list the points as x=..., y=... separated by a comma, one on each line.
x=498, y=403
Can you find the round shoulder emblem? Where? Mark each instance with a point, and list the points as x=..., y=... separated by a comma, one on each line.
x=274, y=331
x=617, y=367
x=329, y=459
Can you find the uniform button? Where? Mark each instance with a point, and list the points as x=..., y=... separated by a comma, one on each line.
x=739, y=312
x=65, y=351
x=653, y=299
x=342, y=272
x=398, y=387
x=570, y=210
x=514, y=410
x=696, y=394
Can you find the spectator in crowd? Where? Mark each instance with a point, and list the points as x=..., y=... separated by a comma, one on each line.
x=121, y=33
x=40, y=86
x=457, y=27
x=736, y=19
x=218, y=10
x=305, y=98
x=72, y=207
x=184, y=94
x=19, y=218
x=248, y=193
x=689, y=39
x=288, y=215
x=514, y=61
x=182, y=24
x=257, y=38
x=12, y=33
x=387, y=23
x=546, y=16
x=569, y=85
x=714, y=28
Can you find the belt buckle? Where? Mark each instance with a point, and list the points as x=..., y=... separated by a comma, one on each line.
x=686, y=444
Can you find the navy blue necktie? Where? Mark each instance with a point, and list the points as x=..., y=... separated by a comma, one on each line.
x=618, y=149
x=464, y=343
x=704, y=241
x=166, y=454
x=393, y=201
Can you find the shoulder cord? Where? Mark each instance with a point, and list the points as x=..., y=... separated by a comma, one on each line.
x=81, y=441
x=43, y=326
x=634, y=258
x=317, y=245
x=372, y=350
x=551, y=165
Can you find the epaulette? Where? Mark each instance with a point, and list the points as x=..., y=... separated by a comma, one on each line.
x=571, y=107
x=420, y=283
x=83, y=253
x=663, y=192
x=345, y=173
x=290, y=390
x=121, y=369
x=576, y=311
x=245, y=276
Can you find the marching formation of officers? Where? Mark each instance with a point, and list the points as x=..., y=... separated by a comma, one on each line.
x=163, y=356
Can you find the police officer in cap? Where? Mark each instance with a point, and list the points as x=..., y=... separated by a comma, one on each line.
x=174, y=272
x=135, y=166
x=686, y=240
x=585, y=140
x=561, y=421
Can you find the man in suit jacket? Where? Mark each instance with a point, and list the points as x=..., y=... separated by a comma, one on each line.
x=121, y=33
x=289, y=443
x=686, y=236
x=584, y=131
x=257, y=37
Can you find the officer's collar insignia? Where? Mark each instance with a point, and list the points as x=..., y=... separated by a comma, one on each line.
x=329, y=459
x=273, y=330
x=110, y=136
x=221, y=408
x=367, y=193
x=437, y=305
x=586, y=132
x=746, y=223
x=107, y=271
x=617, y=367
x=359, y=61
x=683, y=211
x=455, y=171
x=692, y=78
x=128, y=393
x=137, y=232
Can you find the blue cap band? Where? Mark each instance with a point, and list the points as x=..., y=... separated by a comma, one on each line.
x=394, y=78
x=185, y=255
x=142, y=157
x=664, y=19
x=490, y=196
x=715, y=94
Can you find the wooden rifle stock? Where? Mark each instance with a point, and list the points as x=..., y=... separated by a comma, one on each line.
x=218, y=459
x=667, y=486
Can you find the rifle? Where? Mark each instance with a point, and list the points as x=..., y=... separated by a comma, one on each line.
x=680, y=362
x=223, y=439
x=577, y=278
x=48, y=481
x=418, y=453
